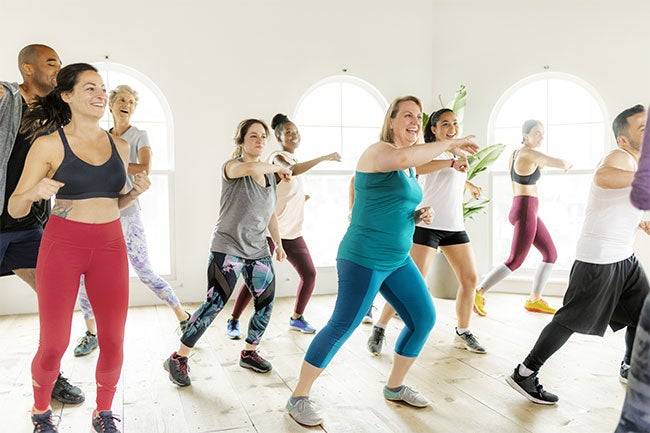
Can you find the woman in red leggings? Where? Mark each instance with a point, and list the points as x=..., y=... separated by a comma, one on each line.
x=525, y=170
x=84, y=167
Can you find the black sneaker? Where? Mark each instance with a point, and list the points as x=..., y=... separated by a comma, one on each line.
x=252, y=359
x=67, y=393
x=625, y=369
x=376, y=340
x=530, y=388
x=178, y=369
x=104, y=422
x=43, y=423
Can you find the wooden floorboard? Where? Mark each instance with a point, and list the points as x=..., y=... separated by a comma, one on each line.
x=468, y=391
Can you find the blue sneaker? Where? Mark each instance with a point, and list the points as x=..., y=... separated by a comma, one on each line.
x=368, y=317
x=232, y=329
x=300, y=324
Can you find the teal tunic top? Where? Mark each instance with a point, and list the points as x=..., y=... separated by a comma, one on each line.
x=380, y=234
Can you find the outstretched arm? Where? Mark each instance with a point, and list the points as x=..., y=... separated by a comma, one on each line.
x=302, y=167
x=543, y=160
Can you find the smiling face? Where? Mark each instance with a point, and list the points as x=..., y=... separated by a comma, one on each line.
x=122, y=107
x=446, y=128
x=534, y=138
x=88, y=96
x=406, y=124
x=41, y=69
x=254, y=141
x=289, y=137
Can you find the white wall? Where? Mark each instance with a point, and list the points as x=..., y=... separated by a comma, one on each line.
x=219, y=62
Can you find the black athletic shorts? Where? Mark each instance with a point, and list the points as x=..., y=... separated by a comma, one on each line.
x=434, y=238
x=19, y=250
x=600, y=295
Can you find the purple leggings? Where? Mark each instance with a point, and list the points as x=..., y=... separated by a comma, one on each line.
x=298, y=255
x=529, y=230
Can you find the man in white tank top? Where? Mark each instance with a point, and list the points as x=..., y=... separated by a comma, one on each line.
x=607, y=285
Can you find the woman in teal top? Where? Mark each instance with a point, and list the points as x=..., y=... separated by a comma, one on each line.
x=374, y=255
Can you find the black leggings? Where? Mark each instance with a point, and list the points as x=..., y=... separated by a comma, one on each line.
x=554, y=336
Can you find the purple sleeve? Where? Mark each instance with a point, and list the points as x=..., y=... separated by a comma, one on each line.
x=640, y=195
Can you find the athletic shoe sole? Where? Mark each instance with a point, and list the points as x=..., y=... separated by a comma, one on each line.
x=523, y=392
x=477, y=311
x=250, y=367
x=295, y=328
x=536, y=310
x=459, y=345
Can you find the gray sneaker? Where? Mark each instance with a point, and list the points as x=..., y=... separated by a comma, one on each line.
x=376, y=340
x=304, y=412
x=407, y=395
x=86, y=344
x=468, y=341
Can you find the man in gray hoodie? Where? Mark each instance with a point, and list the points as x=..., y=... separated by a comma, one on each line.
x=21, y=238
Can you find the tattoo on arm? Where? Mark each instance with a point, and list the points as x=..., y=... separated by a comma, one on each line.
x=62, y=208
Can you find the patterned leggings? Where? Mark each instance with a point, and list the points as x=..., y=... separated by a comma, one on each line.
x=136, y=248
x=223, y=271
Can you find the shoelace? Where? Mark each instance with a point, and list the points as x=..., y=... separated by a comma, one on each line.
x=256, y=356
x=183, y=367
x=65, y=384
x=107, y=421
x=47, y=422
x=83, y=340
x=377, y=336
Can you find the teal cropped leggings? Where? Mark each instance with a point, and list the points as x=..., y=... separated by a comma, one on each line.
x=404, y=288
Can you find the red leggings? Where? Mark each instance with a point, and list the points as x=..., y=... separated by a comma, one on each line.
x=298, y=255
x=529, y=231
x=68, y=250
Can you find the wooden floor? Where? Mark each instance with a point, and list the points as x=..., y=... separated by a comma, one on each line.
x=468, y=391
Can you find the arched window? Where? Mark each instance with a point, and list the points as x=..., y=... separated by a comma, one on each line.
x=338, y=114
x=154, y=116
x=574, y=118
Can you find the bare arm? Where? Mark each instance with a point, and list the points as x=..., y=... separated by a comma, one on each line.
x=143, y=164
x=141, y=182
x=382, y=157
x=543, y=160
x=236, y=169
x=2, y=91
x=34, y=183
x=616, y=171
x=302, y=167
x=350, y=197
x=275, y=235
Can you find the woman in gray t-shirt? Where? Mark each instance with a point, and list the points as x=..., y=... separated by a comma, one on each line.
x=239, y=246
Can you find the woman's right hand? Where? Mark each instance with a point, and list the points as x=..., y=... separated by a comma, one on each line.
x=333, y=157
x=566, y=165
x=44, y=189
x=284, y=174
x=465, y=144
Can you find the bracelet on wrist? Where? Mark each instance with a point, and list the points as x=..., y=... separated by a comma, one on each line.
x=453, y=162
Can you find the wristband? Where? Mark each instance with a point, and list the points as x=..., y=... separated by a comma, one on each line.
x=453, y=162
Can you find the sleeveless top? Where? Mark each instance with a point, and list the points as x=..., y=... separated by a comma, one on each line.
x=380, y=234
x=290, y=208
x=530, y=179
x=443, y=191
x=244, y=214
x=83, y=180
x=610, y=226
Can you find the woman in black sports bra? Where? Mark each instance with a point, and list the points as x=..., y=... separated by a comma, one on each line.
x=85, y=168
x=529, y=229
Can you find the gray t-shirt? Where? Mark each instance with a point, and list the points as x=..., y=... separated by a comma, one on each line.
x=137, y=140
x=245, y=212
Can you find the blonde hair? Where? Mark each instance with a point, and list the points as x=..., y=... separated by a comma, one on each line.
x=242, y=129
x=122, y=88
x=387, y=133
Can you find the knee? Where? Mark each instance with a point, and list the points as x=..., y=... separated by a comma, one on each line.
x=550, y=256
x=514, y=264
x=468, y=282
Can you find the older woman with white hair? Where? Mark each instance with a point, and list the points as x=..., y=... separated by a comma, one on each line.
x=122, y=102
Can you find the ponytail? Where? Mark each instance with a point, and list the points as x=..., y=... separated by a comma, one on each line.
x=45, y=115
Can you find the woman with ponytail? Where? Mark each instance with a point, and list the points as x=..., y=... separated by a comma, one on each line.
x=84, y=168
x=290, y=213
x=529, y=228
x=239, y=247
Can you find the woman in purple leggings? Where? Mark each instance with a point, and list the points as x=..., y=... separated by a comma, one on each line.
x=525, y=170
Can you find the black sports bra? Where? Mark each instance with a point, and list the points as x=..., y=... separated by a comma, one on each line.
x=83, y=180
x=530, y=179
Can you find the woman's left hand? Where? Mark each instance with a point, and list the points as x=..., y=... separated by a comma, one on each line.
x=424, y=214
x=141, y=183
x=279, y=253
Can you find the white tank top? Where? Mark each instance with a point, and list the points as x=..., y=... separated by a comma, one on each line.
x=290, y=208
x=610, y=226
x=443, y=191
